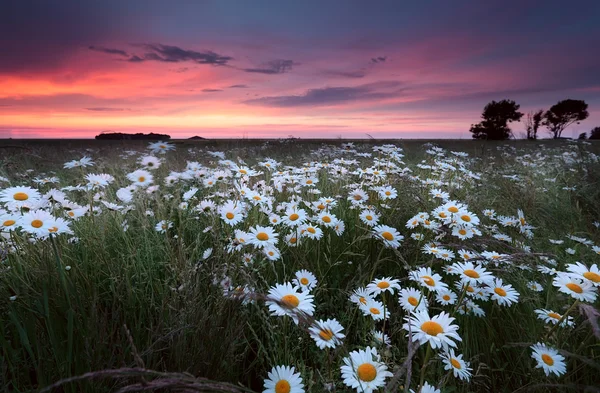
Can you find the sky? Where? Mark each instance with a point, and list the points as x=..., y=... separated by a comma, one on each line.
x=271, y=69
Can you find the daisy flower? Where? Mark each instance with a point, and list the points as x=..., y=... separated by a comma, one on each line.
x=285, y=299
x=412, y=300
x=471, y=274
x=282, y=379
x=160, y=147
x=381, y=338
x=375, y=309
x=369, y=217
x=262, y=236
x=535, y=286
x=19, y=196
x=163, y=225
x=360, y=296
x=428, y=279
x=327, y=334
x=326, y=219
x=272, y=253
x=454, y=362
x=294, y=217
x=380, y=285
x=364, y=371
x=591, y=274
x=140, y=178
x=9, y=221
x=504, y=294
x=358, y=196
x=231, y=212
x=446, y=297
x=311, y=231
x=150, y=162
x=427, y=388
x=305, y=280
x=389, y=235
x=577, y=288
x=37, y=222
x=387, y=192
x=548, y=359
x=552, y=317
x=437, y=331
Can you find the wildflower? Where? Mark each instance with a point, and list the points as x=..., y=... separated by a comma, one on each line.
x=360, y=296
x=412, y=300
x=305, y=280
x=311, y=231
x=381, y=338
x=262, y=236
x=471, y=274
x=577, y=288
x=552, y=317
x=282, y=379
x=428, y=279
x=364, y=371
x=19, y=196
x=445, y=297
x=369, y=217
x=140, y=178
x=591, y=274
x=437, y=331
x=161, y=147
x=548, y=359
x=504, y=294
x=37, y=222
x=427, y=388
x=163, y=225
x=459, y=367
x=390, y=236
x=375, y=309
x=285, y=299
x=327, y=334
x=380, y=285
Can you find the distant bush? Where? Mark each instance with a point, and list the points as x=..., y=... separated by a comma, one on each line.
x=139, y=136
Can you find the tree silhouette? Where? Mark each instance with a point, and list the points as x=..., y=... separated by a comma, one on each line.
x=496, y=116
x=533, y=122
x=563, y=114
x=595, y=133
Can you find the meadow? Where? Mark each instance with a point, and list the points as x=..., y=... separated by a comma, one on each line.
x=299, y=266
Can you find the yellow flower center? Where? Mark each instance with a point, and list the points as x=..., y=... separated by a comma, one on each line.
x=294, y=217
x=309, y=182
x=311, y=230
x=369, y=218
x=362, y=300
x=594, y=277
x=326, y=334
x=290, y=301
x=366, y=372
x=162, y=146
x=243, y=171
x=383, y=284
x=71, y=214
x=304, y=281
x=293, y=240
x=256, y=198
x=388, y=193
x=466, y=218
x=21, y=196
x=229, y=216
x=387, y=236
x=374, y=310
x=415, y=222
x=432, y=328
x=141, y=179
x=446, y=297
x=547, y=359
x=429, y=281
x=462, y=232
x=554, y=315
x=455, y=363
x=453, y=209
x=471, y=273
x=443, y=215
x=574, y=287
x=470, y=289
x=321, y=206
x=326, y=219
x=357, y=197
x=500, y=292
x=8, y=223
x=263, y=237
x=53, y=229
x=413, y=301
x=36, y=223
x=522, y=221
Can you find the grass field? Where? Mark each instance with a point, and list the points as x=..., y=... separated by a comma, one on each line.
x=366, y=266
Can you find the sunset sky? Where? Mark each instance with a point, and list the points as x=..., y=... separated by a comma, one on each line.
x=390, y=69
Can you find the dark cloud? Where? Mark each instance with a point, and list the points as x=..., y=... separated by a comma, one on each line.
x=329, y=96
x=175, y=54
x=106, y=109
x=380, y=59
x=274, y=67
x=347, y=74
x=109, y=50
x=211, y=90
x=239, y=86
